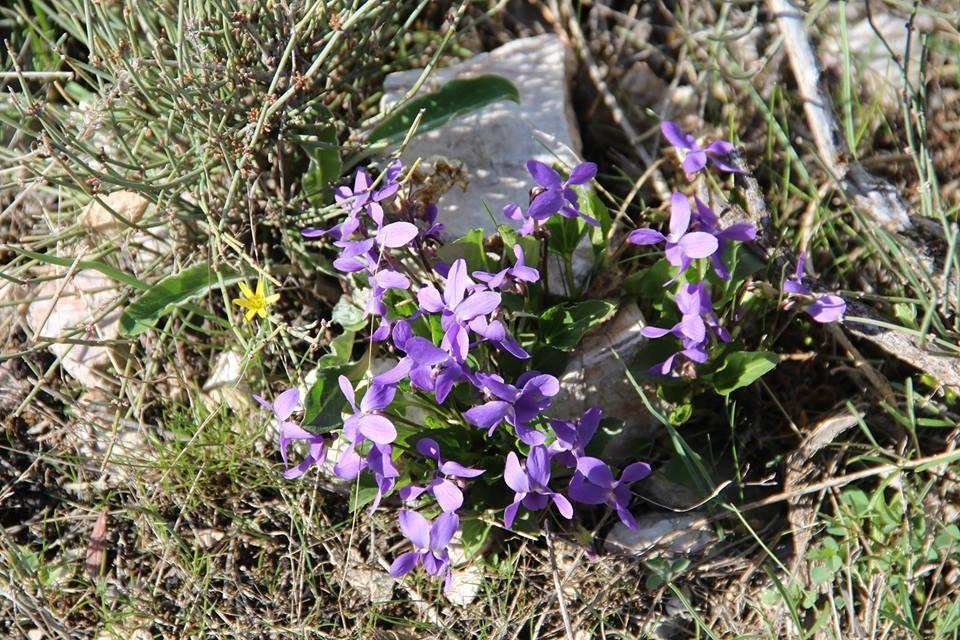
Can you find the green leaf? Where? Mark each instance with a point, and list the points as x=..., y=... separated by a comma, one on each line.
x=348, y=315
x=742, y=368
x=563, y=326
x=362, y=492
x=321, y=407
x=341, y=349
x=455, y=98
x=26, y=561
x=858, y=502
x=821, y=574
x=550, y=360
x=565, y=234
x=474, y=535
x=144, y=312
x=468, y=247
x=592, y=205
x=947, y=539
x=662, y=571
x=679, y=415
x=509, y=235
x=648, y=284
x=325, y=166
x=742, y=263
x=610, y=429
x=528, y=244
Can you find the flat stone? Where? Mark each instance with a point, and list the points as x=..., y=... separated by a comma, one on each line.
x=371, y=583
x=875, y=67
x=667, y=493
x=466, y=583
x=662, y=533
x=100, y=214
x=226, y=384
x=13, y=388
x=493, y=144
x=595, y=377
x=63, y=308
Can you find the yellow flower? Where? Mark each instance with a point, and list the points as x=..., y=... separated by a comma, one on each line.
x=255, y=303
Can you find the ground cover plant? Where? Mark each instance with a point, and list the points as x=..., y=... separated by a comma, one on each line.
x=295, y=406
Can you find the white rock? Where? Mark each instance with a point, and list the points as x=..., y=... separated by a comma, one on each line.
x=465, y=585
x=59, y=312
x=466, y=576
x=669, y=494
x=874, y=66
x=13, y=388
x=494, y=143
x=128, y=205
x=206, y=538
x=376, y=585
x=668, y=534
x=595, y=377
x=225, y=384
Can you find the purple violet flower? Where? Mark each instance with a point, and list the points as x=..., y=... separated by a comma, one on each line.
x=593, y=483
x=555, y=194
x=519, y=272
x=823, y=309
x=443, y=487
x=709, y=223
x=682, y=246
x=367, y=420
x=360, y=198
x=457, y=308
x=432, y=368
x=385, y=473
x=368, y=423
x=396, y=234
x=552, y=195
x=514, y=212
x=430, y=545
x=694, y=156
x=496, y=334
x=355, y=255
x=338, y=231
x=530, y=484
x=691, y=353
x=573, y=437
x=693, y=301
x=283, y=407
x=518, y=406
x=433, y=227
